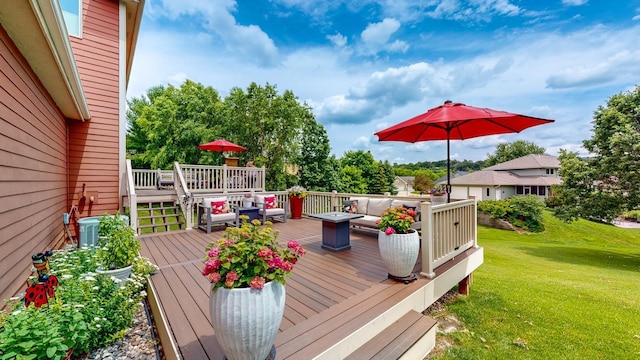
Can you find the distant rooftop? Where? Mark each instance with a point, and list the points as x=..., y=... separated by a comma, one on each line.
x=531, y=161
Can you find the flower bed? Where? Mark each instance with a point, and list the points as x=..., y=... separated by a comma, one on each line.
x=88, y=311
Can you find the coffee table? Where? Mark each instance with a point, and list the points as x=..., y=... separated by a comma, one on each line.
x=335, y=229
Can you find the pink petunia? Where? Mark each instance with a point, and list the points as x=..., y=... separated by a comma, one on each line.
x=257, y=282
x=293, y=244
x=265, y=253
x=210, y=266
x=286, y=266
x=389, y=231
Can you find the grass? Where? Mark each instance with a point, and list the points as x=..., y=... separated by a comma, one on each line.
x=143, y=210
x=572, y=292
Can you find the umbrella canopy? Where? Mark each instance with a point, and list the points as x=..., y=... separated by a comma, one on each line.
x=457, y=121
x=221, y=145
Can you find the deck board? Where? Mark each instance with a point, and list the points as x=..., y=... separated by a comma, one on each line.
x=329, y=294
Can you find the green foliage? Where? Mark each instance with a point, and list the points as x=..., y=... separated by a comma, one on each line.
x=522, y=211
x=249, y=256
x=606, y=184
x=318, y=170
x=526, y=212
x=509, y=151
x=397, y=220
x=352, y=181
x=633, y=214
x=422, y=183
x=539, y=287
x=118, y=245
x=497, y=209
x=88, y=311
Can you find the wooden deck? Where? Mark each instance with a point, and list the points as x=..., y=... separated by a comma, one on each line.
x=330, y=296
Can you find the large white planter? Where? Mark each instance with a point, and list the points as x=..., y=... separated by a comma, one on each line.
x=438, y=200
x=247, y=203
x=246, y=321
x=399, y=252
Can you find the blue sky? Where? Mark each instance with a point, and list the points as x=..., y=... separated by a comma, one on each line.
x=364, y=65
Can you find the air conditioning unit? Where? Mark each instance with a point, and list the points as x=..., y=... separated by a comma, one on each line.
x=88, y=231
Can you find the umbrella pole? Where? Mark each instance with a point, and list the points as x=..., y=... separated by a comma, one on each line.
x=448, y=169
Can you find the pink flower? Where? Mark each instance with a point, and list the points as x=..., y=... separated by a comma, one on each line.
x=389, y=231
x=293, y=244
x=265, y=253
x=210, y=266
x=257, y=282
x=231, y=277
x=228, y=243
x=286, y=266
x=275, y=262
x=214, y=252
x=215, y=277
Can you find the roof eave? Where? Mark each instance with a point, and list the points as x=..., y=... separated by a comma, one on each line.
x=133, y=19
x=38, y=31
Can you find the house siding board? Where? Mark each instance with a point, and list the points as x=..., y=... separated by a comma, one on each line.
x=33, y=174
x=94, y=144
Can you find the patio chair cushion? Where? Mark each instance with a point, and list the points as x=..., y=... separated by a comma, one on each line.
x=270, y=202
x=363, y=203
x=219, y=207
x=207, y=202
x=377, y=206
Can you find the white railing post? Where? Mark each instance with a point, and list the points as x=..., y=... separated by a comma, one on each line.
x=133, y=201
x=184, y=196
x=427, y=240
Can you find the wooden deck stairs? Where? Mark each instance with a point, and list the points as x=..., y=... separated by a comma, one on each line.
x=163, y=216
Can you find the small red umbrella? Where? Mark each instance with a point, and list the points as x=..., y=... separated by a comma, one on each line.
x=221, y=145
x=457, y=121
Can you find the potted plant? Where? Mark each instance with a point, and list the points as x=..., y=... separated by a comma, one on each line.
x=399, y=244
x=296, y=198
x=117, y=249
x=247, y=200
x=247, y=269
x=438, y=195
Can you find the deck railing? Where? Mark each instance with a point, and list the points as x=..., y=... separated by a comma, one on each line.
x=130, y=192
x=447, y=231
x=223, y=179
x=144, y=178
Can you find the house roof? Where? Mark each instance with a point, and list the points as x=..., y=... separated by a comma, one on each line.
x=406, y=179
x=503, y=178
x=454, y=175
x=531, y=161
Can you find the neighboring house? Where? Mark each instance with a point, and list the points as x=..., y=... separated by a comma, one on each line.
x=62, y=110
x=404, y=184
x=531, y=174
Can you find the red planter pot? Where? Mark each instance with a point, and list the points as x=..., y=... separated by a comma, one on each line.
x=295, y=204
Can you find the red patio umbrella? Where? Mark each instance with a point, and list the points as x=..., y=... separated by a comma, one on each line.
x=221, y=145
x=457, y=121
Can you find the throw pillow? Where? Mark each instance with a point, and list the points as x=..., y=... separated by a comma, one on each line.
x=219, y=207
x=270, y=202
x=350, y=206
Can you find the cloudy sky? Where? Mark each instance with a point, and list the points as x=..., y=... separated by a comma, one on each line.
x=364, y=65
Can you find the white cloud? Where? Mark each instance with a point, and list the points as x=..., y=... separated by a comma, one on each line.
x=574, y=2
x=338, y=39
x=376, y=36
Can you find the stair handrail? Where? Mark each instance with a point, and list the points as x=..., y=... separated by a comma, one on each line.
x=130, y=189
x=185, y=198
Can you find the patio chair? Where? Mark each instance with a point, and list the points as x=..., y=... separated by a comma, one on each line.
x=217, y=211
x=269, y=207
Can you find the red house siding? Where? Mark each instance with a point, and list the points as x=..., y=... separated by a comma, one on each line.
x=33, y=159
x=94, y=144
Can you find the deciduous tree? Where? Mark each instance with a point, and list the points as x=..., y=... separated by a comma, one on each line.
x=509, y=151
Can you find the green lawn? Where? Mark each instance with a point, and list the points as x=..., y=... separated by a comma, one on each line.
x=572, y=292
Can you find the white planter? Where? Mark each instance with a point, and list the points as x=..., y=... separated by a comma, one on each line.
x=121, y=274
x=247, y=203
x=438, y=200
x=399, y=252
x=246, y=321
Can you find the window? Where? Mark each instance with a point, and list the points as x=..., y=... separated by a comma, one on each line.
x=549, y=171
x=71, y=10
x=542, y=190
x=488, y=192
x=534, y=190
x=519, y=190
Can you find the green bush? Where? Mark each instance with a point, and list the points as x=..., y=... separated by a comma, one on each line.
x=88, y=312
x=633, y=214
x=522, y=211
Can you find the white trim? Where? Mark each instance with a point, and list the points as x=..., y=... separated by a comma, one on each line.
x=49, y=16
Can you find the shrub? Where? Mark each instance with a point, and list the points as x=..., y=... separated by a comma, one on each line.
x=522, y=211
x=633, y=214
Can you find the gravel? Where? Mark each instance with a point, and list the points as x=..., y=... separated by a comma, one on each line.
x=139, y=343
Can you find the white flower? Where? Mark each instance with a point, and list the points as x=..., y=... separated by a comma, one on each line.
x=16, y=312
x=96, y=319
x=143, y=293
x=67, y=276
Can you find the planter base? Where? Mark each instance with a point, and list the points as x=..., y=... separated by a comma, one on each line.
x=405, y=279
x=271, y=356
